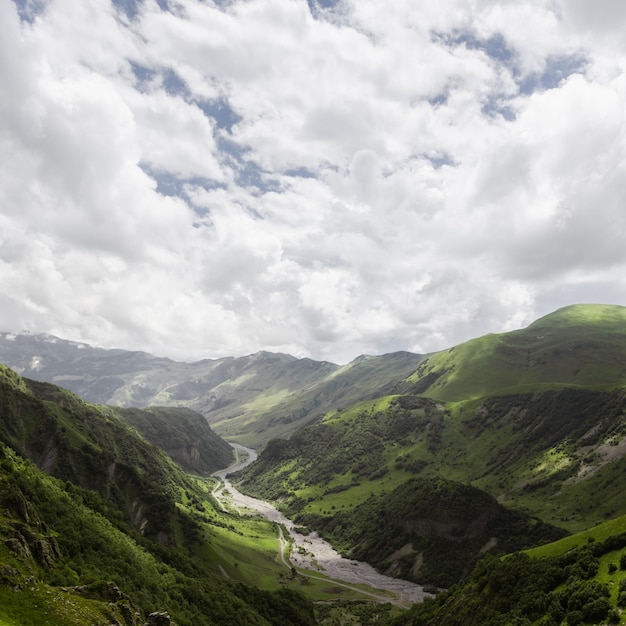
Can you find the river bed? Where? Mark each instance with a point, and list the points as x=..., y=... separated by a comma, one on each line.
x=311, y=551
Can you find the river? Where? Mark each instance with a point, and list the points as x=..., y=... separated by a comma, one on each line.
x=311, y=552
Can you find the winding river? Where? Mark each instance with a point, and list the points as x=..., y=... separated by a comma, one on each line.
x=311, y=552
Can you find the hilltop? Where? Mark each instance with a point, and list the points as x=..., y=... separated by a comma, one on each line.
x=580, y=346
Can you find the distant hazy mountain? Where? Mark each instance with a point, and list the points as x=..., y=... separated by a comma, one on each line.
x=250, y=399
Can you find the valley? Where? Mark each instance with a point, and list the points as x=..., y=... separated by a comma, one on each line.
x=481, y=485
x=310, y=552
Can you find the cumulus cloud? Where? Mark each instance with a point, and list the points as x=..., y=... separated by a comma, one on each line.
x=201, y=179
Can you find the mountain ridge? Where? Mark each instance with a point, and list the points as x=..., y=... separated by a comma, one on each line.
x=248, y=399
x=519, y=359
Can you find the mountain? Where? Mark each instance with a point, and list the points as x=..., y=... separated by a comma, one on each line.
x=279, y=414
x=369, y=480
x=183, y=435
x=249, y=399
x=534, y=418
x=99, y=526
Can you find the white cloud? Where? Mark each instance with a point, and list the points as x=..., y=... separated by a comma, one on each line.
x=221, y=179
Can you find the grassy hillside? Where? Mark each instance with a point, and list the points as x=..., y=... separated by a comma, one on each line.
x=97, y=524
x=580, y=345
x=63, y=562
x=364, y=378
x=369, y=479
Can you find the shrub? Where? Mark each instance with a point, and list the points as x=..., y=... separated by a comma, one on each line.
x=574, y=618
x=596, y=610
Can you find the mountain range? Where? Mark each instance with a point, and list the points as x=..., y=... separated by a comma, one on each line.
x=249, y=399
x=430, y=467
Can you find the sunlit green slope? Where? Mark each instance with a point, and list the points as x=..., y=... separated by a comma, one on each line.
x=580, y=345
x=281, y=410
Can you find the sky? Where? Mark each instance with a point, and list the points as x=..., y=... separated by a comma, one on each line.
x=326, y=178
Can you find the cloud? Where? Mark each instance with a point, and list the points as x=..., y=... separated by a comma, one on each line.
x=327, y=179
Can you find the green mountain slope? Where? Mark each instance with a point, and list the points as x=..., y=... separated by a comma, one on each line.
x=184, y=435
x=99, y=526
x=364, y=378
x=63, y=562
x=580, y=345
x=429, y=530
x=368, y=479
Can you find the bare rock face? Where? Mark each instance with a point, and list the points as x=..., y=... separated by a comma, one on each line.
x=159, y=618
x=105, y=591
x=46, y=551
x=19, y=546
x=8, y=575
x=188, y=456
x=12, y=499
x=123, y=611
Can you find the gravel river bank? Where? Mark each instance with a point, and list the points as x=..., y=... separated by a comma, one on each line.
x=311, y=552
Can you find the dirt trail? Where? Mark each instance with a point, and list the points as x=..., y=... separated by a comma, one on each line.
x=311, y=551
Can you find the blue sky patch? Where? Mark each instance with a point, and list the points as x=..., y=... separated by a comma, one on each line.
x=300, y=172
x=252, y=177
x=28, y=10
x=217, y=109
x=438, y=160
x=172, y=185
x=558, y=69
x=225, y=117
x=173, y=84
x=143, y=75
x=317, y=7
x=495, y=47
x=129, y=7
x=248, y=174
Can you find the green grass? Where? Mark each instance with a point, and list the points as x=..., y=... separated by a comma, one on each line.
x=609, y=317
x=41, y=605
x=266, y=400
x=120, y=510
x=271, y=405
x=345, y=416
x=601, y=532
x=499, y=454
x=582, y=345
